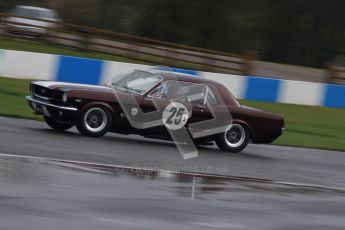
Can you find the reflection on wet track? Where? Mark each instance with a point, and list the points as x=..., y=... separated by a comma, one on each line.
x=46, y=194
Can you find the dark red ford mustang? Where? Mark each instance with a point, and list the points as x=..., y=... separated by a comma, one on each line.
x=95, y=110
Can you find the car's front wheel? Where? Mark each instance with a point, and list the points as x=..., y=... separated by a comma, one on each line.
x=235, y=138
x=95, y=121
x=57, y=125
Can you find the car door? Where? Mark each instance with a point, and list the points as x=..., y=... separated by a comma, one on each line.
x=209, y=117
x=154, y=101
x=131, y=89
x=192, y=96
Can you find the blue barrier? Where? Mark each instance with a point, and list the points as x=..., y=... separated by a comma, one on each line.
x=334, y=96
x=79, y=70
x=262, y=89
x=177, y=70
x=90, y=71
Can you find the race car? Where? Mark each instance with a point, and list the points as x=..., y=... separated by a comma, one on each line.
x=155, y=104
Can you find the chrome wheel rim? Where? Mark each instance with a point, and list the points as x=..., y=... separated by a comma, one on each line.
x=95, y=120
x=235, y=135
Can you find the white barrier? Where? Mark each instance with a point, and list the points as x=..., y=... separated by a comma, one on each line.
x=28, y=65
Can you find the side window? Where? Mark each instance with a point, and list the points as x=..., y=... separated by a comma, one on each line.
x=211, y=97
x=158, y=93
x=167, y=90
x=179, y=90
x=194, y=93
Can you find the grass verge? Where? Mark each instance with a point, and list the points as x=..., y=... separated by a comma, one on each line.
x=12, y=101
x=306, y=126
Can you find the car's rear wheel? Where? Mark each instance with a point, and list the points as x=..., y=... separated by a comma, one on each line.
x=234, y=139
x=57, y=125
x=95, y=121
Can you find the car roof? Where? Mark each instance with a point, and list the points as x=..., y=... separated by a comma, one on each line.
x=223, y=91
x=173, y=75
x=33, y=8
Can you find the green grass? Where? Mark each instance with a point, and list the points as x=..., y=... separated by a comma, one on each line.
x=306, y=126
x=12, y=101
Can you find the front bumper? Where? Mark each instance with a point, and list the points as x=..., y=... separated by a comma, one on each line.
x=35, y=102
x=57, y=112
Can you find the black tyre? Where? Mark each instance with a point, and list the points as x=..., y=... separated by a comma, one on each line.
x=234, y=140
x=95, y=121
x=57, y=125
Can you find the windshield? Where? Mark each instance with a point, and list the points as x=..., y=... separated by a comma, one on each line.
x=33, y=13
x=138, y=82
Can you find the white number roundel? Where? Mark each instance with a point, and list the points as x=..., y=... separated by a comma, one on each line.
x=175, y=115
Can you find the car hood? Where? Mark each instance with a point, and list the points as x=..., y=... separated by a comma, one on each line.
x=66, y=86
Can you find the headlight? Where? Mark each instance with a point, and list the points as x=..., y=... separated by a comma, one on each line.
x=64, y=97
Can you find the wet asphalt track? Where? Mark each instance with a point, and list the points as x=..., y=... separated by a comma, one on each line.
x=38, y=193
x=283, y=164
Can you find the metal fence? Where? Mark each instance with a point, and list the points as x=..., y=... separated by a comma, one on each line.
x=124, y=45
x=336, y=74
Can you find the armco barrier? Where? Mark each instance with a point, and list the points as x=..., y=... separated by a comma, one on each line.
x=18, y=64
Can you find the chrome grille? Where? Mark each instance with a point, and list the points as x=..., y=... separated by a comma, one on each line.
x=41, y=92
